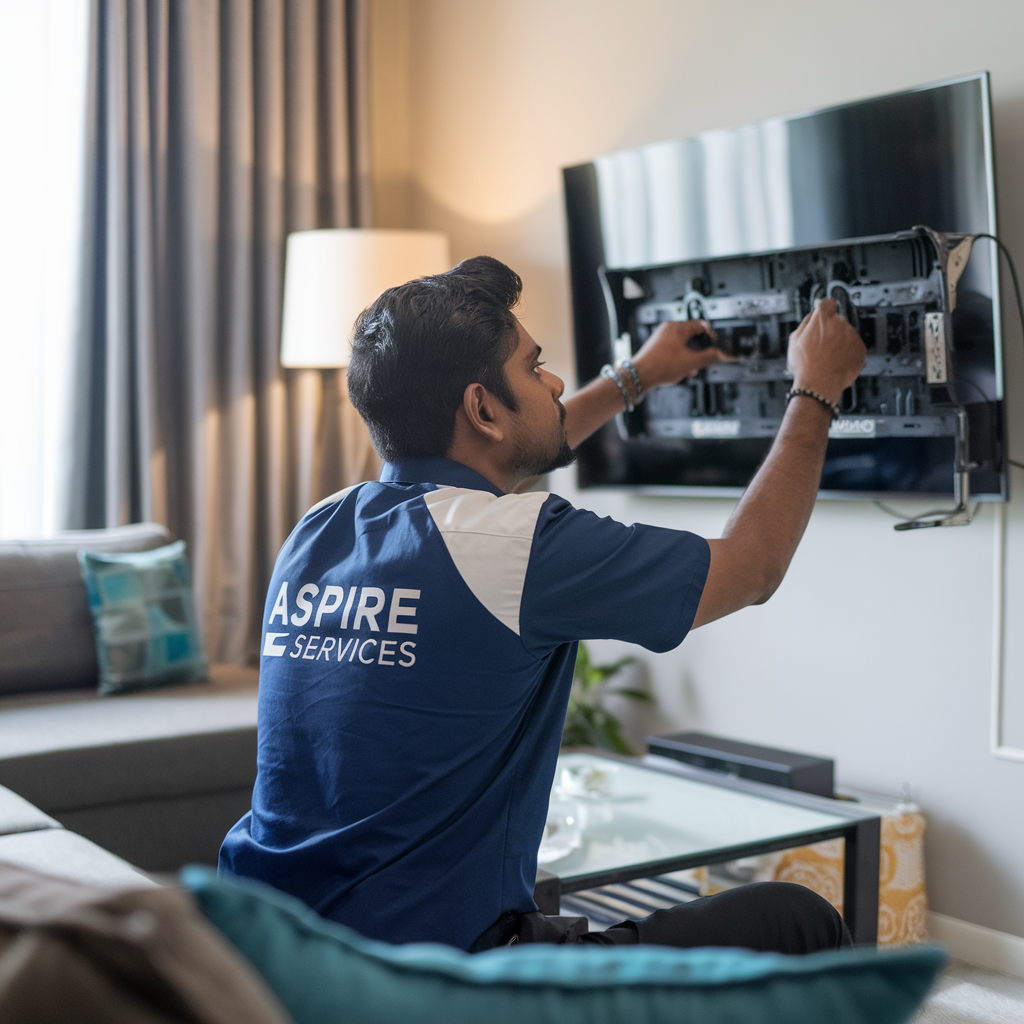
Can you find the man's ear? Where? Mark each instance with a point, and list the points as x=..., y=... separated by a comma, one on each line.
x=483, y=411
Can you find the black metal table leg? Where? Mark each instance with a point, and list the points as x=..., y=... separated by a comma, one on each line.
x=860, y=880
x=547, y=893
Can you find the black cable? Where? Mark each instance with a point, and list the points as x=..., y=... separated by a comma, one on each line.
x=1020, y=312
x=1020, y=305
x=970, y=383
x=1013, y=273
x=899, y=515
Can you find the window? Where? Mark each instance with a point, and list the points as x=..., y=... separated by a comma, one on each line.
x=43, y=83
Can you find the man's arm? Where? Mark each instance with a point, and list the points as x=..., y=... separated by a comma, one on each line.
x=750, y=560
x=664, y=359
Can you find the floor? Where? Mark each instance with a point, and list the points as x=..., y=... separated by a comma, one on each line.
x=970, y=995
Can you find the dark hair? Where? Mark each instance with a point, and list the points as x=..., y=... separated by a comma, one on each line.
x=419, y=346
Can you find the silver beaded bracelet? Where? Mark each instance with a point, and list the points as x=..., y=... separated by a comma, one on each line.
x=628, y=364
x=609, y=372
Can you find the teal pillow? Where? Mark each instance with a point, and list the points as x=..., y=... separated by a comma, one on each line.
x=324, y=973
x=143, y=618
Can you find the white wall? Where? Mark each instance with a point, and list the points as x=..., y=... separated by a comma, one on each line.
x=877, y=649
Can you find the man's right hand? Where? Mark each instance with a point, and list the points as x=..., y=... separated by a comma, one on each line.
x=825, y=353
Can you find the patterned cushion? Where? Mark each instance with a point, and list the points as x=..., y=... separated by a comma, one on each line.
x=46, y=634
x=902, y=896
x=142, y=611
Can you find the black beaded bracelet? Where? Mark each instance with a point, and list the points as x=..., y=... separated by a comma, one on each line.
x=832, y=407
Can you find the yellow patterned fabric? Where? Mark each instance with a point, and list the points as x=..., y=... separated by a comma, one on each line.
x=902, y=898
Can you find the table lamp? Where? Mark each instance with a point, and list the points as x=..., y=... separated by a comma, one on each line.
x=332, y=275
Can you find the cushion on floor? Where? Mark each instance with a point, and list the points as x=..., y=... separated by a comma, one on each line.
x=321, y=971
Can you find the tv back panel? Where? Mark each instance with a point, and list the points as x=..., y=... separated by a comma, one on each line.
x=748, y=228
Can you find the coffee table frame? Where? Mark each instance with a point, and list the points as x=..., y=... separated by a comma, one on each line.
x=862, y=835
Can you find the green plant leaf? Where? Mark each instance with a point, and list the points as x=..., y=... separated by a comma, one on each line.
x=604, y=671
x=587, y=723
x=576, y=732
x=632, y=694
x=583, y=674
x=611, y=736
x=582, y=661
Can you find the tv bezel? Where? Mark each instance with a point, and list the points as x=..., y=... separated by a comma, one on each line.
x=695, y=491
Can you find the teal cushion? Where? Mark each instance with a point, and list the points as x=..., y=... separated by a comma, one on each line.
x=323, y=973
x=143, y=617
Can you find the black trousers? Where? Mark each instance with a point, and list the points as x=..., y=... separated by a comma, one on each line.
x=769, y=917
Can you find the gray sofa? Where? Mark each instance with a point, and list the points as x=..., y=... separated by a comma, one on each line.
x=157, y=777
x=31, y=839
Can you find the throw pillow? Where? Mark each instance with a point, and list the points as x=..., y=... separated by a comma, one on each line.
x=143, y=618
x=323, y=972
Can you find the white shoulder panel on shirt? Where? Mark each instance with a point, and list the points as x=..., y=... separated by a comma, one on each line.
x=489, y=539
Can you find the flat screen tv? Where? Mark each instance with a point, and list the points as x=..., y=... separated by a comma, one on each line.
x=748, y=227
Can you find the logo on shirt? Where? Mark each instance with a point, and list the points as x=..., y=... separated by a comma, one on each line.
x=365, y=606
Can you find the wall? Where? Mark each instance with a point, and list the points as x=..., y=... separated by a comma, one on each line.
x=389, y=100
x=877, y=650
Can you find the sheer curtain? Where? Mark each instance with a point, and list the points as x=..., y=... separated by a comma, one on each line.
x=217, y=127
x=43, y=65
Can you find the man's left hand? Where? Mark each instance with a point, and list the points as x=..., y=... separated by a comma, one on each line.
x=666, y=357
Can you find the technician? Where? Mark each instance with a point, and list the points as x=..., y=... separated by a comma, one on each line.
x=420, y=632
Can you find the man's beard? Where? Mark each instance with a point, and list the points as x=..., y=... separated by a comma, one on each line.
x=533, y=463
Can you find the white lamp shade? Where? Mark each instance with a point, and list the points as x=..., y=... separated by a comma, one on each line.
x=331, y=276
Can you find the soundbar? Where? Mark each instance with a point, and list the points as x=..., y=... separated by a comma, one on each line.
x=802, y=772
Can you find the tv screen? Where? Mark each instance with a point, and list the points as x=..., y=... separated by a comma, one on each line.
x=747, y=227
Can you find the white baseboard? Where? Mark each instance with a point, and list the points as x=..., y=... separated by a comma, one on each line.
x=983, y=947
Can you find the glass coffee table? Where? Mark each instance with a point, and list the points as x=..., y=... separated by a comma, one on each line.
x=613, y=819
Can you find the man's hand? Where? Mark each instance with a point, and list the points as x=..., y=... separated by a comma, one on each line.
x=825, y=353
x=666, y=357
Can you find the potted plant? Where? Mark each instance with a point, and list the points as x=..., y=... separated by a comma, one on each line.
x=587, y=722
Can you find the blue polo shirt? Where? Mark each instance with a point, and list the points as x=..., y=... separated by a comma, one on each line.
x=418, y=647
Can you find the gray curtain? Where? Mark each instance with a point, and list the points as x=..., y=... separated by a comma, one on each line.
x=217, y=127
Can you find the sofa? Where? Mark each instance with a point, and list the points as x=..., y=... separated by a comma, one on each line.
x=31, y=839
x=155, y=778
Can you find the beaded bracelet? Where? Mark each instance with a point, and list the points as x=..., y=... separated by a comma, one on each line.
x=628, y=364
x=607, y=371
x=832, y=407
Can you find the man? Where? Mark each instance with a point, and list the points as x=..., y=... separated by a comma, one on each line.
x=420, y=631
